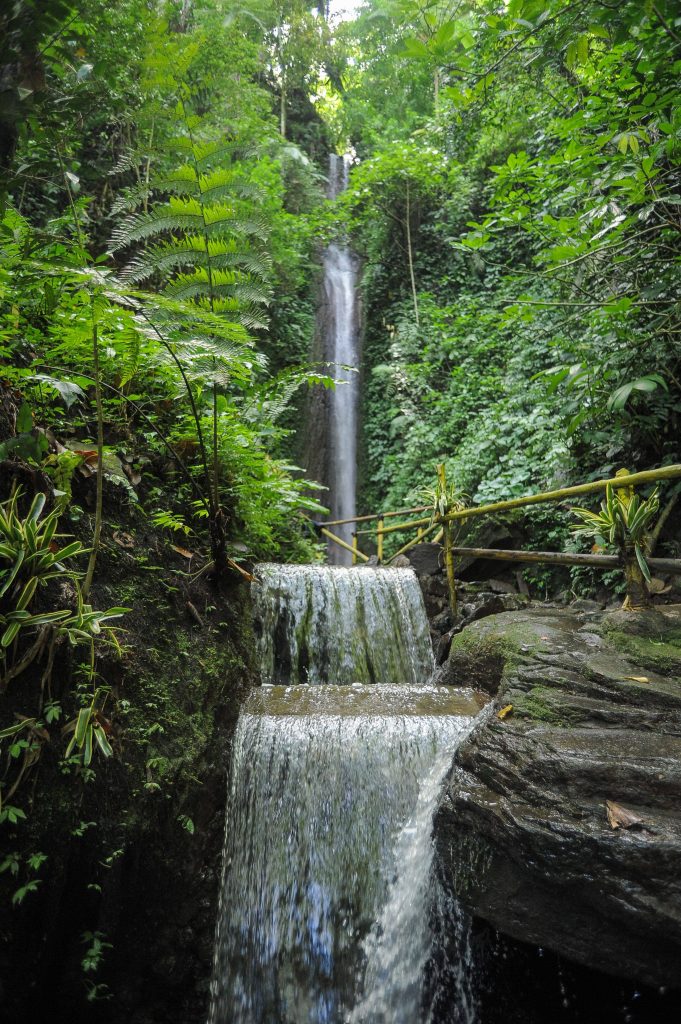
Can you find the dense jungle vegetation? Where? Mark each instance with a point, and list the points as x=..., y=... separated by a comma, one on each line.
x=514, y=201
x=513, y=198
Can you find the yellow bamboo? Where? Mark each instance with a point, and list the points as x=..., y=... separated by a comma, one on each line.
x=355, y=548
x=668, y=565
x=630, y=480
x=374, y=515
x=412, y=543
x=379, y=539
x=407, y=526
x=342, y=543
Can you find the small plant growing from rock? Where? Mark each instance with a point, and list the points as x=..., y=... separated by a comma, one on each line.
x=625, y=520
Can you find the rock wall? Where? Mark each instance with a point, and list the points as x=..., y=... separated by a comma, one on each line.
x=529, y=843
x=133, y=845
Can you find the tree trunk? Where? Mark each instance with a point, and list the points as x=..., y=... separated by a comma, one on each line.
x=638, y=595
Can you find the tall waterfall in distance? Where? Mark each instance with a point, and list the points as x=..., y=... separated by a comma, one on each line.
x=342, y=349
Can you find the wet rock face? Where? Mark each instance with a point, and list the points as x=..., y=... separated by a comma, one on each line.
x=522, y=828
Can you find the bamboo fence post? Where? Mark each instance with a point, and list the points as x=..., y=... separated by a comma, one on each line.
x=638, y=595
x=449, y=554
x=449, y=563
x=379, y=539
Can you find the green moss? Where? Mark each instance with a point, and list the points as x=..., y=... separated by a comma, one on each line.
x=541, y=705
x=482, y=656
x=662, y=656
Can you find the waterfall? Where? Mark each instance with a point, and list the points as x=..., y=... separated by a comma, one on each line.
x=328, y=899
x=340, y=292
x=319, y=624
x=322, y=786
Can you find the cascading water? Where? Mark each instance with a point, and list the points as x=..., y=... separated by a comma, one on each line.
x=319, y=624
x=327, y=894
x=340, y=291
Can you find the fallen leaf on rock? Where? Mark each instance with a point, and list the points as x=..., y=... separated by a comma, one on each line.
x=638, y=679
x=182, y=551
x=620, y=817
x=88, y=455
x=505, y=712
x=124, y=540
x=246, y=575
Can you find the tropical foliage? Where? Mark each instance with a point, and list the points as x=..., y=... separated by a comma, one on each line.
x=514, y=201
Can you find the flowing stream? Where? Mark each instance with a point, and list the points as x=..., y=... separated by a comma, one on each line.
x=328, y=896
x=340, y=291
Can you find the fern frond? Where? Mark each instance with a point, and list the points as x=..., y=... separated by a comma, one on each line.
x=226, y=183
x=219, y=221
x=185, y=174
x=163, y=259
x=177, y=317
x=130, y=199
x=139, y=227
x=215, y=151
x=129, y=350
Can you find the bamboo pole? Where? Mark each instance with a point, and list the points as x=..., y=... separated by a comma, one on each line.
x=374, y=515
x=552, y=557
x=449, y=566
x=448, y=538
x=379, y=540
x=407, y=526
x=415, y=541
x=342, y=543
x=648, y=476
x=668, y=565
x=355, y=548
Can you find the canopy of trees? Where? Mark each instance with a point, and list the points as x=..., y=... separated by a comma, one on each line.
x=514, y=200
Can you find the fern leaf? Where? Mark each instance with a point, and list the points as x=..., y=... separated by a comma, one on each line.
x=142, y=226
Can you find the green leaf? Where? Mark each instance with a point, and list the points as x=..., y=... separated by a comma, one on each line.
x=9, y=634
x=102, y=741
x=13, y=573
x=27, y=593
x=82, y=723
x=24, y=419
x=620, y=397
x=67, y=390
x=642, y=562
x=87, y=752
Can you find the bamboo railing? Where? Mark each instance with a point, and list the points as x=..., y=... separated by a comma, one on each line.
x=436, y=528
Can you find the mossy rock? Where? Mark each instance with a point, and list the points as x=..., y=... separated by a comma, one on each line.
x=650, y=638
x=484, y=653
x=540, y=704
